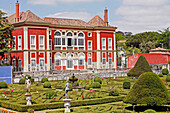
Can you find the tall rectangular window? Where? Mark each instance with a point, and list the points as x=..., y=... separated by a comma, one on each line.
x=75, y=41
x=89, y=61
x=89, y=45
x=63, y=41
x=50, y=44
x=81, y=62
x=103, y=43
x=33, y=42
x=57, y=62
x=19, y=43
x=109, y=43
x=14, y=43
x=33, y=62
x=104, y=61
x=110, y=61
x=81, y=42
x=57, y=41
x=41, y=62
x=14, y=62
x=41, y=42
x=20, y=63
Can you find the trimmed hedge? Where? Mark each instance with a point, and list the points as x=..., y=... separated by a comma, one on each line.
x=36, y=107
x=3, y=84
x=44, y=80
x=160, y=75
x=149, y=111
x=98, y=79
x=165, y=71
x=126, y=84
x=168, y=78
x=47, y=85
x=29, y=77
x=96, y=85
x=22, y=81
x=50, y=94
x=114, y=92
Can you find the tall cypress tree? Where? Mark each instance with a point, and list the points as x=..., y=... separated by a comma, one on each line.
x=141, y=66
x=6, y=38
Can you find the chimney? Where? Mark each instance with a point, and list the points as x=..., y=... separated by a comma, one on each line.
x=106, y=17
x=17, y=12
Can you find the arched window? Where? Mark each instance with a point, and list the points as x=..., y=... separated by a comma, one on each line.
x=57, y=38
x=57, y=60
x=80, y=35
x=69, y=34
x=69, y=39
x=69, y=61
x=81, y=59
x=80, y=39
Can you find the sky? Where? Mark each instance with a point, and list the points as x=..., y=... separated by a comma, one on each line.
x=134, y=16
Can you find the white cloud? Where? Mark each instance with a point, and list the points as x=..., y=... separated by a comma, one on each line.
x=54, y=2
x=143, y=15
x=72, y=15
x=5, y=11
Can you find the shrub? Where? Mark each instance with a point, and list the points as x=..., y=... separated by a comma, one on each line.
x=168, y=74
x=50, y=94
x=96, y=85
x=148, y=89
x=165, y=71
x=30, y=111
x=76, y=83
x=141, y=66
x=3, y=84
x=98, y=79
x=126, y=84
x=44, y=80
x=168, y=78
x=149, y=111
x=47, y=85
x=29, y=77
x=32, y=80
x=160, y=75
x=87, y=87
x=113, y=92
x=22, y=81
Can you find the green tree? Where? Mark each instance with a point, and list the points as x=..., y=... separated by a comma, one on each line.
x=141, y=66
x=6, y=38
x=146, y=46
x=164, y=38
x=148, y=89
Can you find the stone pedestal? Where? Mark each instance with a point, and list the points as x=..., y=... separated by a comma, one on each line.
x=28, y=98
x=67, y=105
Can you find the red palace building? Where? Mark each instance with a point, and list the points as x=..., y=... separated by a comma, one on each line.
x=46, y=44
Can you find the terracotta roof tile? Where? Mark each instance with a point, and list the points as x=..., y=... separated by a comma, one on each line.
x=96, y=21
x=63, y=21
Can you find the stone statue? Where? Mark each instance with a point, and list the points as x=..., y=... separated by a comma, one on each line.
x=28, y=82
x=66, y=89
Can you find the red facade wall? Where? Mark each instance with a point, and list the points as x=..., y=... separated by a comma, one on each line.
x=18, y=32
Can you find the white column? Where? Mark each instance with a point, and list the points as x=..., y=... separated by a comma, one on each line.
x=114, y=50
x=25, y=48
x=98, y=48
x=25, y=61
x=48, y=53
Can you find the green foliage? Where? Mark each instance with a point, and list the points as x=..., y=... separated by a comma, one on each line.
x=3, y=84
x=165, y=71
x=87, y=87
x=29, y=76
x=141, y=66
x=145, y=47
x=50, y=94
x=30, y=111
x=160, y=75
x=73, y=77
x=76, y=83
x=98, y=79
x=149, y=111
x=168, y=78
x=47, y=85
x=32, y=80
x=148, y=89
x=4, y=64
x=22, y=81
x=126, y=84
x=113, y=92
x=44, y=80
x=96, y=85
x=164, y=38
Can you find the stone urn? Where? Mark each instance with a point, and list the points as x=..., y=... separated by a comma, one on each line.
x=73, y=79
x=29, y=98
x=67, y=105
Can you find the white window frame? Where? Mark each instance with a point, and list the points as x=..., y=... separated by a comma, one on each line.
x=90, y=46
x=90, y=34
x=103, y=43
x=33, y=48
x=90, y=63
x=56, y=38
x=109, y=44
x=81, y=38
x=104, y=63
x=57, y=57
x=13, y=62
x=33, y=66
x=42, y=46
x=71, y=61
x=14, y=46
x=20, y=44
x=50, y=44
x=81, y=58
x=40, y=62
x=18, y=62
x=109, y=61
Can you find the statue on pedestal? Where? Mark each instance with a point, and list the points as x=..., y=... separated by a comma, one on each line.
x=28, y=82
x=66, y=89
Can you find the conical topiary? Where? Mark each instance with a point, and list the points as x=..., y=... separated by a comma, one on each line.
x=141, y=66
x=148, y=89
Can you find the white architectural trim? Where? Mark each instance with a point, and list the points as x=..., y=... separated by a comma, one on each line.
x=25, y=61
x=115, y=62
x=25, y=38
x=98, y=53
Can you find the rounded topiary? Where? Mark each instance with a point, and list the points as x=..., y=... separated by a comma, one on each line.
x=29, y=77
x=113, y=92
x=3, y=84
x=126, y=84
x=96, y=85
x=98, y=79
x=160, y=75
x=47, y=85
x=44, y=80
x=168, y=78
x=22, y=81
x=165, y=71
x=87, y=87
x=149, y=111
x=50, y=94
x=141, y=66
x=148, y=89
